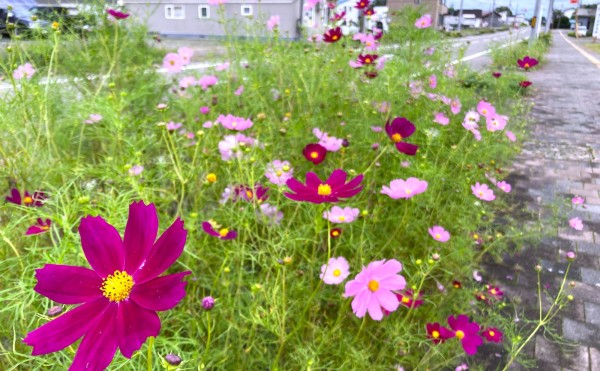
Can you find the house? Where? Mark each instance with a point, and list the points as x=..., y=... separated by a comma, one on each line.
x=471, y=18
x=197, y=18
x=434, y=7
x=584, y=17
x=494, y=19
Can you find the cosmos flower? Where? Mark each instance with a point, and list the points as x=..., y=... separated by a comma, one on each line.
x=207, y=81
x=492, y=334
x=408, y=299
x=400, y=188
x=577, y=200
x=332, y=35
x=119, y=296
x=341, y=215
x=239, y=91
x=186, y=54
x=331, y=144
x=433, y=81
x=231, y=146
x=525, y=83
x=441, y=119
x=576, y=224
x=24, y=71
x=398, y=130
x=93, y=119
x=439, y=233
x=136, y=170
x=485, y=109
x=455, y=106
x=335, y=271
x=273, y=22
x=527, y=62
x=270, y=214
x=423, y=22
x=482, y=192
x=366, y=59
x=331, y=190
x=234, y=123
x=314, y=153
x=361, y=4
x=172, y=126
x=223, y=233
x=42, y=226
x=467, y=332
x=438, y=333
x=117, y=14
x=511, y=136
x=504, y=186
x=279, y=172
x=495, y=292
x=173, y=62
x=496, y=74
x=247, y=193
x=335, y=232
x=495, y=122
x=36, y=200
x=373, y=288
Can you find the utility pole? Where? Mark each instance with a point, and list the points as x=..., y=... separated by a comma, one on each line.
x=549, y=17
x=493, y=11
x=460, y=16
x=535, y=28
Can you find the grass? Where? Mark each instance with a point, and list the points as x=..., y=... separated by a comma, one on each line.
x=272, y=309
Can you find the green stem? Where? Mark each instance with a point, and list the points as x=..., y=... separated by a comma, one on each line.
x=150, y=347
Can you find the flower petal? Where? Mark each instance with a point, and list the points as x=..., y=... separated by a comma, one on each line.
x=99, y=344
x=208, y=228
x=337, y=178
x=387, y=269
x=407, y=148
x=312, y=181
x=101, y=245
x=135, y=324
x=375, y=310
x=164, y=253
x=140, y=234
x=66, y=329
x=360, y=303
x=387, y=299
x=161, y=293
x=395, y=282
x=353, y=288
x=67, y=284
x=404, y=127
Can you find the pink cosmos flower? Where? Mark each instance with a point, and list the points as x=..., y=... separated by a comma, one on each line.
x=381, y=62
x=416, y=88
x=576, y=224
x=119, y=296
x=187, y=81
x=486, y=109
x=382, y=107
x=335, y=271
x=455, y=106
x=279, y=172
x=577, y=200
x=495, y=122
x=482, y=192
x=204, y=110
x=93, y=119
x=441, y=119
x=339, y=215
x=186, y=54
x=239, y=90
x=332, y=144
x=432, y=81
x=234, y=123
x=230, y=146
x=450, y=72
x=355, y=64
x=471, y=120
x=222, y=67
x=429, y=51
x=372, y=288
x=207, y=81
x=223, y=233
x=136, y=170
x=42, y=226
x=408, y=188
x=504, y=186
x=173, y=63
x=511, y=136
x=273, y=22
x=171, y=126
x=24, y=71
x=439, y=233
x=376, y=129
x=270, y=214
x=476, y=134
x=423, y=22
x=161, y=106
x=467, y=332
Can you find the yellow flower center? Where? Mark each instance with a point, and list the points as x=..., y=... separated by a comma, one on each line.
x=408, y=191
x=324, y=190
x=492, y=333
x=460, y=334
x=437, y=235
x=480, y=193
x=341, y=218
x=27, y=200
x=337, y=272
x=314, y=154
x=405, y=299
x=223, y=232
x=234, y=124
x=249, y=194
x=44, y=227
x=396, y=138
x=172, y=62
x=526, y=65
x=373, y=285
x=368, y=60
x=211, y=177
x=334, y=37
x=484, y=111
x=279, y=173
x=476, y=236
x=435, y=334
x=493, y=291
x=335, y=233
x=117, y=286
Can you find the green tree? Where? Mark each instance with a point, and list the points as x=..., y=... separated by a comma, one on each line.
x=506, y=9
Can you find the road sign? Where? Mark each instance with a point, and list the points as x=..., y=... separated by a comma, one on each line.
x=596, y=29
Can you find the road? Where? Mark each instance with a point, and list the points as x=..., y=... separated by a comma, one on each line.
x=478, y=48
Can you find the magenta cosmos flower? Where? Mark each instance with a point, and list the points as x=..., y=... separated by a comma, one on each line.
x=223, y=233
x=117, y=14
x=332, y=35
x=372, y=288
x=399, y=129
x=527, y=62
x=492, y=334
x=119, y=296
x=482, y=192
x=234, y=123
x=339, y=215
x=400, y=188
x=36, y=200
x=315, y=153
x=42, y=226
x=335, y=271
x=438, y=333
x=467, y=332
x=439, y=233
x=578, y=200
x=525, y=83
x=423, y=22
x=317, y=191
x=408, y=298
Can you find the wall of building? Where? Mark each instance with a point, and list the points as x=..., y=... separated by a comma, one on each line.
x=153, y=13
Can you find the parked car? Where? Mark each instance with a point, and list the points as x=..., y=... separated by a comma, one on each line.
x=582, y=30
x=19, y=21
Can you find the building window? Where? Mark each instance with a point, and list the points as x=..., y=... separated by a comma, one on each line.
x=246, y=10
x=174, y=12
x=203, y=11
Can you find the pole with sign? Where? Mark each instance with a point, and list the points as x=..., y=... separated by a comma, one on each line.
x=596, y=30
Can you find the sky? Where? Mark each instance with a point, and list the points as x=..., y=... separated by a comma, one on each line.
x=529, y=5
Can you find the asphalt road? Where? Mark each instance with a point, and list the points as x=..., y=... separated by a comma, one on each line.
x=478, y=48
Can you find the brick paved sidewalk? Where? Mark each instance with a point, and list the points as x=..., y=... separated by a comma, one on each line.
x=561, y=159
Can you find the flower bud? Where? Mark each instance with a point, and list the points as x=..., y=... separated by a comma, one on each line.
x=208, y=303
x=172, y=359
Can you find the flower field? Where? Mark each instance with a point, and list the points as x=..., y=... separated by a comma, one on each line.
x=317, y=204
